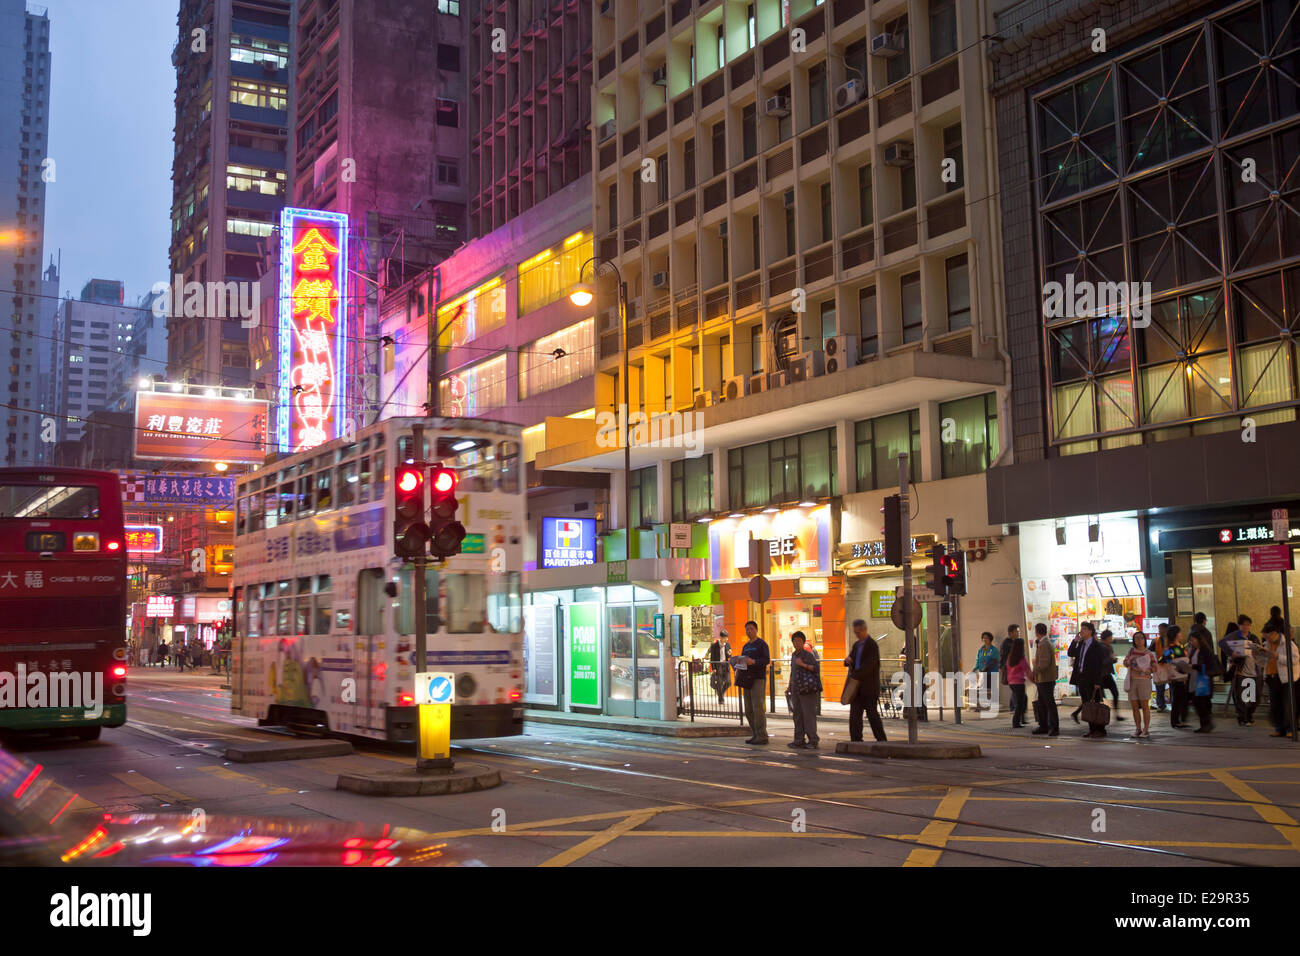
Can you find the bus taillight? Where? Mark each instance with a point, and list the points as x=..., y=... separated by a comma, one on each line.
x=515, y=695
x=114, y=545
x=119, y=671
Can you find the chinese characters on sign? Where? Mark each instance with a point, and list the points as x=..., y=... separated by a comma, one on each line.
x=179, y=427
x=144, y=538
x=160, y=606
x=568, y=542
x=313, y=326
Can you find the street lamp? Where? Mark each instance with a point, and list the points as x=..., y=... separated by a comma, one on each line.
x=582, y=296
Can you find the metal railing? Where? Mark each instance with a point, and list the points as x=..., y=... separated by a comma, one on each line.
x=705, y=689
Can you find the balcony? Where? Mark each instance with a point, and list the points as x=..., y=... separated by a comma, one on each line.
x=894, y=104
x=899, y=233
x=684, y=106
x=717, y=303
x=858, y=249
x=945, y=215
x=854, y=125
x=939, y=81
x=813, y=145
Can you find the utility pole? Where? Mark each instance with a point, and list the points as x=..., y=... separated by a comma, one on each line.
x=954, y=635
x=909, y=638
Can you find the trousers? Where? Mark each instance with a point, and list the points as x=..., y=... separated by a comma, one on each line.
x=756, y=708
x=1045, y=706
x=805, y=717
x=866, y=699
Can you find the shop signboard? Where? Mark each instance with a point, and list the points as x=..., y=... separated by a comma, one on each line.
x=1222, y=536
x=584, y=655
x=160, y=605
x=174, y=427
x=144, y=538
x=850, y=555
x=679, y=535
x=1272, y=557
x=798, y=541
x=882, y=602
x=568, y=542
x=616, y=572
x=539, y=654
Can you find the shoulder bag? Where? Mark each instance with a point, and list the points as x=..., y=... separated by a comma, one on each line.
x=1096, y=712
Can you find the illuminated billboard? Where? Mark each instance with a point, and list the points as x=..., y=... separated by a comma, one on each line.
x=144, y=538
x=176, y=427
x=312, y=327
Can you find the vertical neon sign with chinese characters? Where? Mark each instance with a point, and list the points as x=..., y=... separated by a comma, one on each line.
x=312, y=327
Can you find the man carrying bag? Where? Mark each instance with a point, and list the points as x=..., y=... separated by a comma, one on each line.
x=862, y=689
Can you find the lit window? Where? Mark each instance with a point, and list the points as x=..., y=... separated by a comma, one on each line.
x=558, y=359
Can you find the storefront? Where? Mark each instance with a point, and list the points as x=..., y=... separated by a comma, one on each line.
x=1085, y=569
x=807, y=594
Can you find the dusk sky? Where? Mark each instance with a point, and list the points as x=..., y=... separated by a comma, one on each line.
x=111, y=117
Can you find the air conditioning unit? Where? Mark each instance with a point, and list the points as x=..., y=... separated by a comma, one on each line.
x=722, y=229
x=778, y=379
x=660, y=76
x=706, y=399
x=841, y=352
x=805, y=366
x=898, y=154
x=734, y=388
x=777, y=106
x=887, y=44
x=848, y=94
x=756, y=384
x=659, y=280
x=788, y=199
x=608, y=130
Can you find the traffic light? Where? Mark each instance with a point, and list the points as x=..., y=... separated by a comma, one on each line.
x=936, y=572
x=955, y=573
x=410, y=533
x=892, y=509
x=445, y=531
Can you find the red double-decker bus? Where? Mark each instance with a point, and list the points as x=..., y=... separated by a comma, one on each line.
x=62, y=601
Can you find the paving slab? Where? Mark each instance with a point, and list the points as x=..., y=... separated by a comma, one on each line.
x=465, y=778
x=287, y=750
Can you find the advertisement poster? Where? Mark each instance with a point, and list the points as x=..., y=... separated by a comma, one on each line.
x=539, y=654
x=171, y=427
x=799, y=541
x=584, y=655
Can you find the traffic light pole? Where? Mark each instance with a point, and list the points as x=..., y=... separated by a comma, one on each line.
x=909, y=640
x=420, y=599
x=954, y=635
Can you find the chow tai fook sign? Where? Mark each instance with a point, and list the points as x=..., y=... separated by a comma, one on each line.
x=799, y=541
x=177, y=427
x=312, y=327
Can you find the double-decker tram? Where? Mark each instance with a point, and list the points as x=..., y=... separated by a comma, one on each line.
x=62, y=601
x=324, y=614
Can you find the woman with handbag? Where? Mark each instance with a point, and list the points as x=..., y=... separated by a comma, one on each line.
x=1175, y=656
x=805, y=691
x=1204, y=668
x=1018, y=671
x=1140, y=663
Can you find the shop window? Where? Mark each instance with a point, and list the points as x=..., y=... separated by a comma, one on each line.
x=692, y=488
x=968, y=434
x=879, y=442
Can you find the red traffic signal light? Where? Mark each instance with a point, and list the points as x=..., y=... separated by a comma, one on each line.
x=445, y=531
x=408, y=480
x=410, y=533
x=444, y=481
x=955, y=573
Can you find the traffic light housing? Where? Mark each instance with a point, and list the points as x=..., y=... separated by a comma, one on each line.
x=410, y=532
x=445, y=532
x=892, y=509
x=955, y=573
x=936, y=572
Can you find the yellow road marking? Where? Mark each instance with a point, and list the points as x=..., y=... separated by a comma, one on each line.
x=591, y=844
x=1282, y=821
x=521, y=829
x=225, y=773
x=937, y=831
x=151, y=788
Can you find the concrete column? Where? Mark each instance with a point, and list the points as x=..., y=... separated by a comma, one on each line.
x=664, y=491
x=721, y=495
x=931, y=433
x=845, y=458
x=617, y=483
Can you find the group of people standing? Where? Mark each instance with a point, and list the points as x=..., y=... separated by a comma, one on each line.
x=1179, y=669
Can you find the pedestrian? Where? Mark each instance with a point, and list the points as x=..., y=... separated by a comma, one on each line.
x=179, y=654
x=1204, y=668
x=1275, y=618
x=750, y=678
x=1018, y=671
x=1013, y=631
x=1176, y=656
x=1108, y=677
x=1278, y=677
x=805, y=692
x=719, y=669
x=1140, y=663
x=165, y=653
x=987, y=664
x=864, y=667
x=1073, y=653
x=1158, y=648
x=1091, y=663
x=1239, y=648
x=1045, y=674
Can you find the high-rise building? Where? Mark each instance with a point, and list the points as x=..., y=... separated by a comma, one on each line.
x=1150, y=201
x=799, y=198
x=139, y=351
x=229, y=174
x=24, y=127
x=88, y=333
x=379, y=133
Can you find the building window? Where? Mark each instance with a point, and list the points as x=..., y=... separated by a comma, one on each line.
x=969, y=434
x=692, y=488
x=484, y=309
x=749, y=130
x=880, y=441
x=263, y=95
x=750, y=27
x=719, y=135
x=558, y=359
x=552, y=274
x=661, y=178
x=910, y=298
x=474, y=390
x=450, y=7
x=449, y=57
x=828, y=321
x=907, y=185
x=943, y=29
x=613, y=205
x=866, y=213
x=645, y=496
x=817, y=105
x=448, y=171
x=783, y=471
x=952, y=150
x=636, y=193
x=722, y=48
x=789, y=232
x=898, y=67
x=688, y=164
x=268, y=182
x=958, y=292
x=248, y=227
x=448, y=113
x=826, y=211
x=755, y=349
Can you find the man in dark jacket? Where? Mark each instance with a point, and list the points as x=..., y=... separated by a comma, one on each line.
x=864, y=666
x=1090, y=667
x=753, y=683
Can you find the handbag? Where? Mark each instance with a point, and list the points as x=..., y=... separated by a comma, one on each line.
x=850, y=690
x=1096, y=712
x=1163, y=673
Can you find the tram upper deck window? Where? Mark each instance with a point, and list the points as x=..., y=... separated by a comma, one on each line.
x=347, y=484
x=509, y=458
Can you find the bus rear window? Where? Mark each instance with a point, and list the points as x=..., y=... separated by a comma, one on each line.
x=49, y=501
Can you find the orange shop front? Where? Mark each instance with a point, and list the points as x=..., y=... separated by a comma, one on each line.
x=807, y=595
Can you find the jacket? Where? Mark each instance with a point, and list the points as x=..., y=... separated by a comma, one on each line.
x=1045, y=669
x=1092, y=666
x=756, y=650
x=987, y=660
x=864, y=658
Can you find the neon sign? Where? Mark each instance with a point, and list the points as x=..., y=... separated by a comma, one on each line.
x=144, y=538
x=312, y=327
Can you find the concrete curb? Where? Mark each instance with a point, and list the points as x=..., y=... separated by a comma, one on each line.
x=643, y=727
x=904, y=751
x=305, y=750
x=466, y=778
